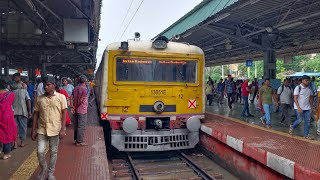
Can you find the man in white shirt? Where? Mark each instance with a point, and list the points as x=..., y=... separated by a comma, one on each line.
x=303, y=100
x=40, y=90
x=285, y=97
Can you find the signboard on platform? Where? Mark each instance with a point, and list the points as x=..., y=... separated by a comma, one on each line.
x=249, y=63
x=76, y=30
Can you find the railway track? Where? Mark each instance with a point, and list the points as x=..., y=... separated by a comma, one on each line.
x=163, y=166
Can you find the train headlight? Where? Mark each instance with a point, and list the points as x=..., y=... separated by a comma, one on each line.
x=158, y=107
x=130, y=125
x=124, y=46
x=193, y=124
x=160, y=43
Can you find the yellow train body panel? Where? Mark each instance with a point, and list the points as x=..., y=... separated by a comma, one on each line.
x=126, y=97
x=152, y=98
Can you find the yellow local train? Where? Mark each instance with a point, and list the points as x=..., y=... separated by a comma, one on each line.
x=151, y=94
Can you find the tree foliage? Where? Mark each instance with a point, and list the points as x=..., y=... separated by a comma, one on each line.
x=306, y=63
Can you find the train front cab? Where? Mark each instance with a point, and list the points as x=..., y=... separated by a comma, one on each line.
x=148, y=108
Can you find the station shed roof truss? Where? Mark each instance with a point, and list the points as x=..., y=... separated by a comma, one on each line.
x=32, y=33
x=231, y=31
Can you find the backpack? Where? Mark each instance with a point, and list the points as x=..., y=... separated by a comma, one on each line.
x=283, y=90
x=234, y=86
x=289, y=88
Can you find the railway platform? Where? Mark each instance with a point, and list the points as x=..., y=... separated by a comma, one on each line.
x=256, y=147
x=83, y=162
x=235, y=112
x=240, y=142
x=87, y=162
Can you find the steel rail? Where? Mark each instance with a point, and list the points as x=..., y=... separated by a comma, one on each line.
x=192, y=165
x=135, y=172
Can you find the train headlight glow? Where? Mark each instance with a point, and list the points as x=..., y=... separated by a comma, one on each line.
x=130, y=125
x=193, y=124
x=124, y=46
x=159, y=44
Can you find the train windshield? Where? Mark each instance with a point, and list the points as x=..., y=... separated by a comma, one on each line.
x=153, y=70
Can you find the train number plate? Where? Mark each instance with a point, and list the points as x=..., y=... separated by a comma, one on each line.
x=159, y=92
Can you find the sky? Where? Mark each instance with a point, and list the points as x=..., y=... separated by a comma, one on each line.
x=153, y=17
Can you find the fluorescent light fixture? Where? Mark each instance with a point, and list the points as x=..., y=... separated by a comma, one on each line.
x=220, y=17
x=289, y=26
x=186, y=35
x=269, y=29
x=209, y=49
x=254, y=1
x=37, y=31
x=251, y=2
x=31, y=5
x=228, y=46
x=227, y=40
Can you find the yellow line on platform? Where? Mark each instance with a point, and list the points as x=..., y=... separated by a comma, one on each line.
x=27, y=168
x=265, y=129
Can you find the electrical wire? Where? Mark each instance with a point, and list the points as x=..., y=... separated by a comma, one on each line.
x=125, y=17
x=131, y=20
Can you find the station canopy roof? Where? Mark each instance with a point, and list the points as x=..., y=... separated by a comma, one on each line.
x=63, y=34
x=231, y=31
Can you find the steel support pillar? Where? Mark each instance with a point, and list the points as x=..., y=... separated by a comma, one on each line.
x=31, y=73
x=2, y=63
x=6, y=67
x=0, y=67
x=43, y=70
x=269, y=66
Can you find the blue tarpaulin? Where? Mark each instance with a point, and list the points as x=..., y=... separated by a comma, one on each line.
x=300, y=74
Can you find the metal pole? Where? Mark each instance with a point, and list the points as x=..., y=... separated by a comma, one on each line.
x=6, y=68
x=255, y=69
x=43, y=72
x=248, y=70
x=222, y=73
x=0, y=67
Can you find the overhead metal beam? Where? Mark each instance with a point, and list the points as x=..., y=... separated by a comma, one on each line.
x=67, y=63
x=284, y=23
x=234, y=37
x=48, y=9
x=234, y=59
x=27, y=14
x=85, y=56
x=31, y=17
x=214, y=54
x=224, y=26
x=77, y=7
x=38, y=48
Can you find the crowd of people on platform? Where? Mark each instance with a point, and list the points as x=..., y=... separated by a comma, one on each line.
x=48, y=106
x=300, y=94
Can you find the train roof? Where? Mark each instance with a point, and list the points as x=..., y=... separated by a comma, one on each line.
x=146, y=46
